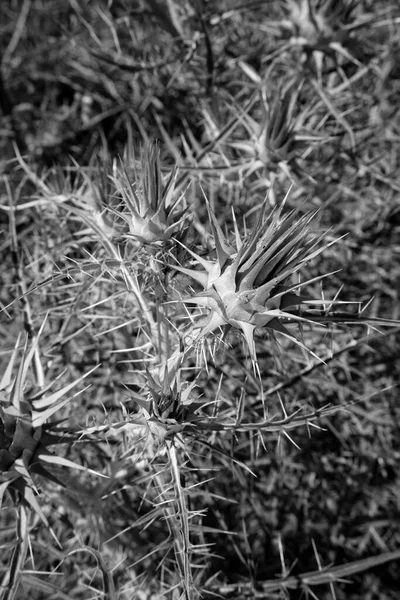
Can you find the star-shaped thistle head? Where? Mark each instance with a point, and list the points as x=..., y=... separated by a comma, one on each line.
x=249, y=287
x=317, y=24
x=277, y=141
x=151, y=203
x=25, y=435
x=272, y=141
x=165, y=400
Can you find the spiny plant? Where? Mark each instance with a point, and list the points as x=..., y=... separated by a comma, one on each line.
x=25, y=434
x=317, y=22
x=273, y=143
x=199, y=457
x=249, y=285
x=28, y=438
x=169, y=410
x=166, y=399
x=150, y=203
x=255, y=149
x=323, y=29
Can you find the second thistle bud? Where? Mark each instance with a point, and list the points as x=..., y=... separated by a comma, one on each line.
x=152, y=207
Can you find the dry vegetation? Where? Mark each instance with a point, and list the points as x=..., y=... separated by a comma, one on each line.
x=199, y=301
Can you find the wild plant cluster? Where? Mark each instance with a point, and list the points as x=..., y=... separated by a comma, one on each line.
x=199, y=299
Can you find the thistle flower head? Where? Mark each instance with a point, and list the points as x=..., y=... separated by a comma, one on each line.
x=273, y=140
x=249, y=287
x=277, y=141
x=25, y=436
x=318, y=23
x=167, y=403
x=151, y=202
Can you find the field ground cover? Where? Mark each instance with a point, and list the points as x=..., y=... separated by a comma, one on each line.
x=199, y=299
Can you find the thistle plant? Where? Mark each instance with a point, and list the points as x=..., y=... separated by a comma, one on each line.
x=73, y=191
x=157, y=219
x=26, y=434
x=168, y=408
x=324, y=29
x=151, y=207
x=273, y=143
x=205, y=489
x=166, y=400
x=250, y=286
x=318, y=24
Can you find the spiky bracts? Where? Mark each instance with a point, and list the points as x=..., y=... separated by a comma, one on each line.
x=25, y=435
x=318, y=22
x=248, y=287
x=273, y=143
x=166, y=400
x=277, y=141
x=151, y=201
